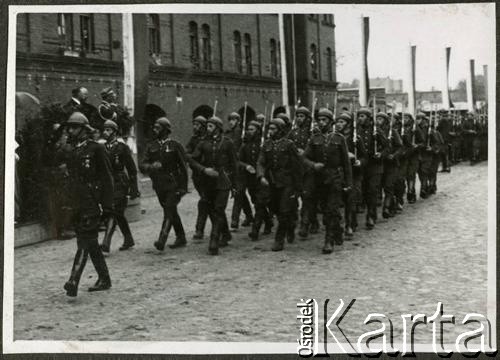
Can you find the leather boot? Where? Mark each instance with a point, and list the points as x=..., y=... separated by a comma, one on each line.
x=71, y=286
x=386, y=210
x=128, y=240
x=201, y=220
x=279, y=238
x=254, y=233
x=108, y=234
x=290, y=231
x=104, y=281
x=162, y=238
x=213, y=246
x=328, y=247
x=314, y=228
x=268, y=224
x=354, y=220
x=370, y=221
x=180, y=235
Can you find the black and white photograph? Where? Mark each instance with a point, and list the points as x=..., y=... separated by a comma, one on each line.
x=308, y=179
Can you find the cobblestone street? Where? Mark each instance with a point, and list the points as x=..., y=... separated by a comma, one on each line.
x=436, y=251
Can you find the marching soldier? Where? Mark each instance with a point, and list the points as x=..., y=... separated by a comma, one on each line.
x=240, y=197
x=328, y=156
x=125, y=182
x=468, y=132
x=248, y=156
x=199, y=133
x=376, y=147
x=455, y=135
x=215, y=158
x=279, y=167
x=444, y=128
x=165, y=162
x=439, y=147
x=428, y=150
x=357, y=157
x=92, y=191
x=417, y=141
x=390, y=162
x=403, y=160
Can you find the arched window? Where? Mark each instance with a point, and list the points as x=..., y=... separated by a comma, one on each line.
x=274, y=58
x=329, y=67
x=313, y=54
x=206, y=49
x=65, y=31
x=153, y=22
x=193, y=41
x=237, y=51
x=248, y=54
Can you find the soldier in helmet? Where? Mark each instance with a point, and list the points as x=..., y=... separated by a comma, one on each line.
x=376, y=146
x=438, y=147
x=248, y=156
x=279, y=167
x=390, y=161
x=241, y=201
x=164, y=161
x=92, y=191
x=429, y=148
x=286, y=120
x=444, y=128
x=400, y=182
x=414, y=141
x=199, y=133
x=328, y=156
x=215, y=157
x=125, y=180
x=357, y=157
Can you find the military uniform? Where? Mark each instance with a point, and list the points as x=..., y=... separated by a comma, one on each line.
x=259, y=194
x=444, y=128
x=217, y=152
x=427, y=164
x=391, y=167
x=279, y=163
x=170, y=184
x=374, y=168
x=353, y=198
x=241, y=201
x=125, y=180
x=91, y=188
x=330, y=150
x=199, y=185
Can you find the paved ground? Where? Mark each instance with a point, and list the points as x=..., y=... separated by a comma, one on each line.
x=435, y=251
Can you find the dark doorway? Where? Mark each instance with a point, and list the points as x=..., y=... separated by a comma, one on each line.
x=203, y=110
x=250, y=114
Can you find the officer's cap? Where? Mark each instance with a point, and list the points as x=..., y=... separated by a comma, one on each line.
x=164, y=122
x=365, y=111
x=303, y=110
x=110, y=124
x=234, y=115
x=200, y=119
x=325, y=112
x=77, y=118
x=216, y=121
x=106, y=91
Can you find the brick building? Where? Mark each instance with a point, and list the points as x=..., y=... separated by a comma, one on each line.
x=194, y=60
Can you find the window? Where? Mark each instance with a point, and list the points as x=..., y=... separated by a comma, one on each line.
x=248, y=54
x=237, y=51
x=206, y=47
x=314, y=61
x=329, y=67
x=65, y=31
x=274, y=58
x=87, y=32
x=193, y=40
x=153, y=22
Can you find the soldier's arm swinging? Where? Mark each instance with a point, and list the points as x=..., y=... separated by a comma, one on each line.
x=103, y=168
x=129, y=163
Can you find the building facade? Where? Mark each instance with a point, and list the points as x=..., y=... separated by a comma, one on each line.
x=194, y=60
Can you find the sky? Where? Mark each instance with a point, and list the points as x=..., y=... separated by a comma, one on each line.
x=469, y=29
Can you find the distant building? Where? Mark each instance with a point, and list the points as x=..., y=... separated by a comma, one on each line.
x=390, y=85
x=348, y=98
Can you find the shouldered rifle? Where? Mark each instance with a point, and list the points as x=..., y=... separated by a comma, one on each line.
x=313, y=110
x=243, y=131
x=429, y=129
x=215, y=108
x=402, y=118
x=354, y=129
x=375, y=123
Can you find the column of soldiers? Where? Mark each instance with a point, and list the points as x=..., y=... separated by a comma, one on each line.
x=292, y=170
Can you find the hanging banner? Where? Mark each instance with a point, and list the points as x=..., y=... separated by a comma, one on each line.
x=446, y=92
x=412, y=87
x=364, y=83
